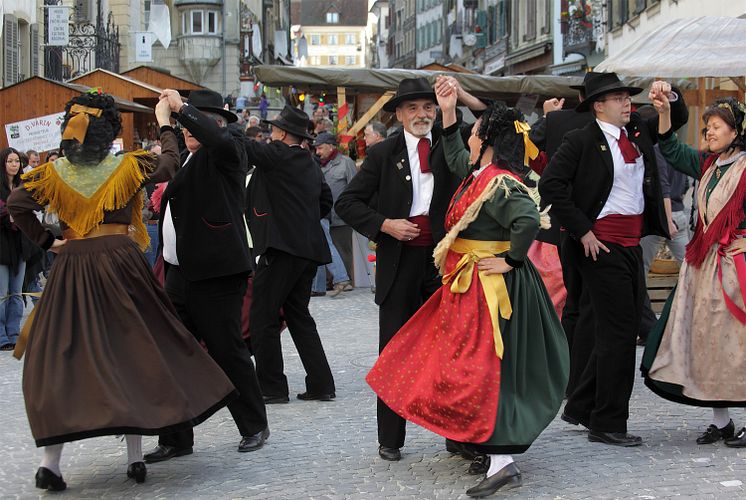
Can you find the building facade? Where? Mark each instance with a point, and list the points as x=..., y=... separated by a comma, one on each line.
x=378, y=32
x=430, y=32
x=21, y=40
x=402, y=34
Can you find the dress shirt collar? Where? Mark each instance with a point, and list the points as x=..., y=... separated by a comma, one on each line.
x=610, y=129
x=413, y=141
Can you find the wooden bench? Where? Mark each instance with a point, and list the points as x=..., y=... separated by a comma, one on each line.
x=659, y=288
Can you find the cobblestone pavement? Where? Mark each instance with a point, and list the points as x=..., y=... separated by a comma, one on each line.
x=328, y=450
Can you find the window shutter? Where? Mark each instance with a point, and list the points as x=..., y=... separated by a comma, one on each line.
x=34, y=50
x=11, y=49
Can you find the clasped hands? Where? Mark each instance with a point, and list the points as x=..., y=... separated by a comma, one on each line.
x=169, y=101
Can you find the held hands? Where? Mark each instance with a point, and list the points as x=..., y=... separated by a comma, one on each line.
x=660, y=92
x=163, y=113
x=494, y=265
x=174, y=99
x=553, y=104
x=401, y=229
x=446, y=91
x=592, y=246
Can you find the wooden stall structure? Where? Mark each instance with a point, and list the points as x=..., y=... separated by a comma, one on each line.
x=39, y=96
x=144, y=90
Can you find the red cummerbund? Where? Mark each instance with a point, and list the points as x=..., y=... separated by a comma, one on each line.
x=425, y=239
x=624, y=230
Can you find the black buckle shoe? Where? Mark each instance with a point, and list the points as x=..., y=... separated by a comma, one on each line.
x=164, y=452
x=614, y=438
x=480, y=465
x=255, y=442
x=308, y=396
x=137, y=471
x=712, y=434
x=48, y=480
x=391, y=454
x=507, y=478
x=739, y=441
x=572, y=420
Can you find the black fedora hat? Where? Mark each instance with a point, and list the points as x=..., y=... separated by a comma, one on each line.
x=600, y=84
x=292, y=120
x=210, y=102
x=581, y=87
x=409, y=90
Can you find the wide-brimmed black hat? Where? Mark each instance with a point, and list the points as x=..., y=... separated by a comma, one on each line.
x=599, y=84
x=210, y=102
x=409, y=90
x=581, y=87
x=292, y=120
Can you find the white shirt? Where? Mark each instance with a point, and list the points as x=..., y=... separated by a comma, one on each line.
x=169, y=231
x=422, y=184
x=626, y=196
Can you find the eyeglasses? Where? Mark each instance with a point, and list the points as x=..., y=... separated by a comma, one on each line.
x=620, y=99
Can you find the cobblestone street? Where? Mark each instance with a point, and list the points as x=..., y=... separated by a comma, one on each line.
x=328, y=450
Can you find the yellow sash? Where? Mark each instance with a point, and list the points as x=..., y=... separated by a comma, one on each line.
x=493, y=285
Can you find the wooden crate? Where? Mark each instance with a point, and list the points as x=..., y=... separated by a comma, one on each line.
x=659, y=288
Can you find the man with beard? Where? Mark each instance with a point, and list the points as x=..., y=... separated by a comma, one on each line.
x=399, y=199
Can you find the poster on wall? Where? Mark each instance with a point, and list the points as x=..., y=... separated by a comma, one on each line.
x=58, y=26
x=40, y=134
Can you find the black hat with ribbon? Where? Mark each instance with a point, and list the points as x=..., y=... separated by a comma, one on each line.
x=210, y=101
x=599, y=84
x=292, y=120
x=410, y=89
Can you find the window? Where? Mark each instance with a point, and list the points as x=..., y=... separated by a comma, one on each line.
x=199, y=22
x=315, y=39
x=212, y=22
x=350, y=39
x=146, y=13
x=530, y=20
x=315, y=60
x=331, y=40
x=333, y=61
x=196, y=22
x=332, y=18
x=350, y=60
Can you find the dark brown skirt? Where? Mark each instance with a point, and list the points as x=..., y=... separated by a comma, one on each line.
x=107, y=353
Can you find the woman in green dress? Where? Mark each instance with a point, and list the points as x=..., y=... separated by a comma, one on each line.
x=484, y=362
x=696, y=354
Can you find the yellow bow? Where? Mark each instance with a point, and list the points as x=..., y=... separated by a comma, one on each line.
x=531, y=151
x=493, y=285
x=77, y=126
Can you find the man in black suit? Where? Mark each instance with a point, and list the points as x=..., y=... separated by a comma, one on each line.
x=605, y=191
x=206, y=258
x=399, y=199
x=288, y=197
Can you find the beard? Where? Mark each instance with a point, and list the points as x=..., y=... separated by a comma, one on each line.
x=422, y=127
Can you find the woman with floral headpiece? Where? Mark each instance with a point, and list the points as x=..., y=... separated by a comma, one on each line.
x=696, y=353
x=105, y=352
x=484, y=362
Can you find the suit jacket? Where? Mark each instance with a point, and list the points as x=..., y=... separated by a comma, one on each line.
x=558, y=123
x=287, y=199
x=206, y=198
x=382, y=189
x=579, y=178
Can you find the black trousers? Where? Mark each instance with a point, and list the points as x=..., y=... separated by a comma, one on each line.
x=211, y=310
x=283, y=281
x=576, y=303
x=342, y=239
x=416, y=280
x=613, y=284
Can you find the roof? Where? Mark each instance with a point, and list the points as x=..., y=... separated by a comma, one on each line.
x=686, y=48
x=126, y=79
x=313, y=12
x=122, y=104
x=158, y=77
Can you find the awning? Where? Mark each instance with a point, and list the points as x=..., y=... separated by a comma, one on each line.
x=686, y=48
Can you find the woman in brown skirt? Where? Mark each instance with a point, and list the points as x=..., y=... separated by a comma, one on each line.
x=106, y=353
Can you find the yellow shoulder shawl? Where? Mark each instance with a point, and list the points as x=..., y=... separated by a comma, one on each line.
x=80, y=203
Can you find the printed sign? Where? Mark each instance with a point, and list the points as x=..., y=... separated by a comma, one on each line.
x=59, y=26
x=40, y=134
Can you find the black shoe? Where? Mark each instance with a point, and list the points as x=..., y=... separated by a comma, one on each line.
x=7, y=347
x=276, y=400
x=392, y=454
x=480, y=465
x=573, y=421
x=507, y=478
x=713, y=434
x=739, y=441
x=614, y=438
x=462, y=449
x=307, y=396
x=255, y=442
x=163, y=452
x=318, y=294
x=48, y=480
x=137, y=471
